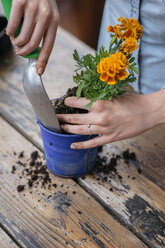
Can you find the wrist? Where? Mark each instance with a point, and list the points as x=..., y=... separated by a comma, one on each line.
x=156, y=103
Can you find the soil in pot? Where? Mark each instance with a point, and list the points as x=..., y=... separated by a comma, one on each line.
x=61, y=108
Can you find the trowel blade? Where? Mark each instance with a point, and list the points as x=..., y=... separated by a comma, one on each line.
x=38, y=97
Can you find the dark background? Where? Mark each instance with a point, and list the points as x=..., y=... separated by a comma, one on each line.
x=82, y=18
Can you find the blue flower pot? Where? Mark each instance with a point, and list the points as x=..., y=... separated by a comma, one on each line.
x=61, y=159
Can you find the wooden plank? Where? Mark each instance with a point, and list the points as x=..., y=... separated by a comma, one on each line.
x=69, y=218
x=5, y=240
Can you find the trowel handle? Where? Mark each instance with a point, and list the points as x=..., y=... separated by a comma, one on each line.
x=7, y=8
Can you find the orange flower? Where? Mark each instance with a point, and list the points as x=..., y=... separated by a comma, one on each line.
x=115, y=30
x=110, y=29
x=113, y=68
x=129, y=46
x=131, y=28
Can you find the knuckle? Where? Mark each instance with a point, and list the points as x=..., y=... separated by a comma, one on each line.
x=22, y=40
x=56, y=18
x=68, y=101
x=66, y=127
x=8, y=32
x=100, y=119
x=99, y=105
x=46, y=11
x=80, y=130
x=32, y=6
x=62, y=119
x=93, y=143
x=113, y=137
x=105, y=118
x=33, y=44
x=21, y=2
x=11, y=28
x=75, y=119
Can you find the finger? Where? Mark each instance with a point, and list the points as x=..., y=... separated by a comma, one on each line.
x=47, y=47
x=15, y=17
x=77, y=118
x=97, y=141
x=27, y=28
x=34, y=41
x=76, y=102
x=83, y=129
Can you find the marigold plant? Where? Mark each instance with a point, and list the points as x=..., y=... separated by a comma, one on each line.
x=106, y=74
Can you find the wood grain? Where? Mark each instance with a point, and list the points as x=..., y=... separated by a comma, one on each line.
x=149, y=149
x=134, y=199
x=5, y=240
x=65, y=219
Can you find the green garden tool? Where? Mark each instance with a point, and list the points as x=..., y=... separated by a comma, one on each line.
x=34, y=87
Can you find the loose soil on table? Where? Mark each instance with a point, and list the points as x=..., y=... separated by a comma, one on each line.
x=106, y=168
x=34, y=170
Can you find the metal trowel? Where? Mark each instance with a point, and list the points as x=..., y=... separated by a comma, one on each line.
x=34, y=87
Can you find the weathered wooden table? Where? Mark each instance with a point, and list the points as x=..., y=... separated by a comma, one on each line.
x=127, y=210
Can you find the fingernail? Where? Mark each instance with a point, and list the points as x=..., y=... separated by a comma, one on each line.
x=40, y=70
x=74, y=146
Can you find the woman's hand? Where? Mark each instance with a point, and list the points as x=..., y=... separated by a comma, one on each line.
x=114, y=120
x=40, y=21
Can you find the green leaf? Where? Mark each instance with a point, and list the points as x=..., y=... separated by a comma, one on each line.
x=113, y=40
x=116, y=48
x=132, y=65
x=76, y=56
x=135, y=69
x=80, y=87
x=102, y=96
x=89, y=105
x=131, y=60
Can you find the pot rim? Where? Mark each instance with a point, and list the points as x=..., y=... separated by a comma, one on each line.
x=60, y=134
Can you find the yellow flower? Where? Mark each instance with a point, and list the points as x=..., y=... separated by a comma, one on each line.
x=113, y=68
x=129, y=46
x=131, y=28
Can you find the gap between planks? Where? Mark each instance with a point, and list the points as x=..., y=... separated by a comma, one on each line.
x=6, y=240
